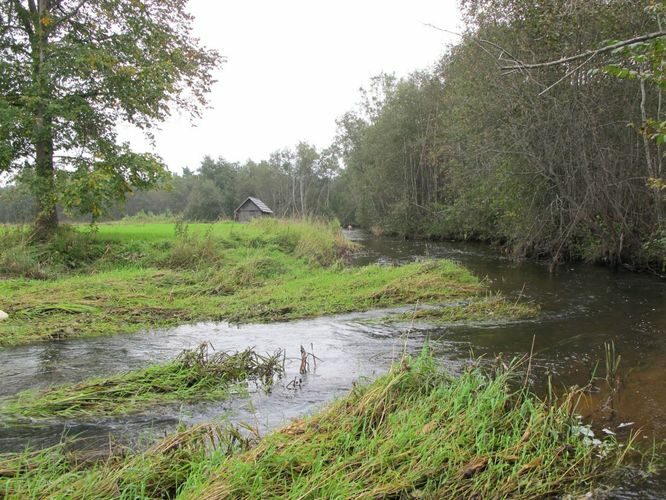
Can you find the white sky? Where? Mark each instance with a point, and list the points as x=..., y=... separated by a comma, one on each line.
x=293, y=67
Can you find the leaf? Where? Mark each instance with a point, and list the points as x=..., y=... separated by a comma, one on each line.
x=475, y=466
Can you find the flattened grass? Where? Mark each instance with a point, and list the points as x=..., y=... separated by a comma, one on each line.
x=413, y=433
x=419, y=433
x=493, y=307
x=195, y=375
x=125, y=278
x=331, y=291
x=157, y=472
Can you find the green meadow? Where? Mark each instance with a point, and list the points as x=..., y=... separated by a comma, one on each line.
x=126, y=277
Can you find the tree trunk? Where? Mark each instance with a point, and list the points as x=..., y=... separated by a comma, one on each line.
x=46, y=221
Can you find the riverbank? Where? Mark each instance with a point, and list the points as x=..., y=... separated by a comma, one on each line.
x=124, y=278
x=415, y=432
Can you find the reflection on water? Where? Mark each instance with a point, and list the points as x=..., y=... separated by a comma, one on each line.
x=581, y=308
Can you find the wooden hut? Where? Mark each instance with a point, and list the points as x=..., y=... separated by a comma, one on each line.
x=251, y=208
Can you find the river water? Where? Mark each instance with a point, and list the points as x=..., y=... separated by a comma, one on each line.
x=581, y=308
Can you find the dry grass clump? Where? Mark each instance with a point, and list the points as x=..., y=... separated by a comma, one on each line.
x=316, y=242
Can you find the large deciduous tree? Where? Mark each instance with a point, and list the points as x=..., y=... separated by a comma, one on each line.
x=71, y=71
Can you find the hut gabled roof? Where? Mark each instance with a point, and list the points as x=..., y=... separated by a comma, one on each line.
x=260, y=205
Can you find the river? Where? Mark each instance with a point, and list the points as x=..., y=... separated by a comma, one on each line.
x=582, y=307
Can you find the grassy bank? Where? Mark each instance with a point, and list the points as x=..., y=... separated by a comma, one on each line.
x=128, y=277
x=414, y=433
x=157, y=472
x=492, y=307
x=418, y=433
x=195, y=375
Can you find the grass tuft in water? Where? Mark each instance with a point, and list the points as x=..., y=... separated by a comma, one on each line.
x=492, y=307
x=612, y=364
x=195, y=375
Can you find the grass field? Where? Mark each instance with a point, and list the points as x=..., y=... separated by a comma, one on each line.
x=413, y=433
x=128, y=277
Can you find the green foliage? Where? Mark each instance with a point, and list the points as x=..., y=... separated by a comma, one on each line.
x=72, y=70
x=530, y=160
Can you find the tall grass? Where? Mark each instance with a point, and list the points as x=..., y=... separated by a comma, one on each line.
x=413, y=433
x=67, y=252
x=179, y=245
x=195, y=375
x=157, y=472
x=419, y=433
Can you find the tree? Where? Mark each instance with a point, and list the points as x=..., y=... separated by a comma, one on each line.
x=72, y=70
x=223, y=175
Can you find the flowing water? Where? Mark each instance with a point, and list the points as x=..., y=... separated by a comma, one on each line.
x=581, y=308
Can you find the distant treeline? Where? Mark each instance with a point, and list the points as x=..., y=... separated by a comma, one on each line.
x=292, y=182
x=563, y=161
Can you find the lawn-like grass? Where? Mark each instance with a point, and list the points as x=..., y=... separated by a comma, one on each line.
x=123, y=278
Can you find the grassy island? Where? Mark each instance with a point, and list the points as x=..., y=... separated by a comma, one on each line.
x=195, y=375
x=124, y=277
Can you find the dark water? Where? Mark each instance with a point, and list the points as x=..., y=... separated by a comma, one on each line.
x=581, y=308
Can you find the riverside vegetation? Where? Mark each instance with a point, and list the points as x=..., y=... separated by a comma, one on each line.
x=416, y=432
x=195, y=375
x=119, y=278
x=477, y=146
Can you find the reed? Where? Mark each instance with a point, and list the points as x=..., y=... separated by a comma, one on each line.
x=612, y=364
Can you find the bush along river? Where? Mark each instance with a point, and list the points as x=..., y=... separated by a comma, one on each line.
x=589, y=319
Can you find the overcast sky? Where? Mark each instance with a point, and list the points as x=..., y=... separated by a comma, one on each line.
x=293, y=67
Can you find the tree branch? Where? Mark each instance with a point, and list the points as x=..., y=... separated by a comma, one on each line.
x=67, y=16
x=589, y=53
x=24, y=17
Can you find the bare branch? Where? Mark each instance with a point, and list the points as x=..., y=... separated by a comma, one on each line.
x=24, y=17
x=568, y=74
x=67, y=16
x=589, y=53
